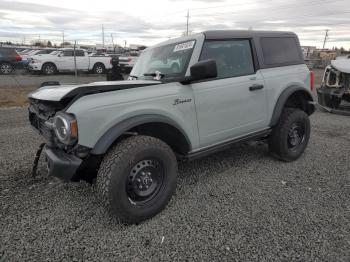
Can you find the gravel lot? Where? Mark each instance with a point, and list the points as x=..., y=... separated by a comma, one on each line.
x=239, y=204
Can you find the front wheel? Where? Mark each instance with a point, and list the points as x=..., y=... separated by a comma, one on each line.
x=137, y=178
x=290, y=136
x=49, y=69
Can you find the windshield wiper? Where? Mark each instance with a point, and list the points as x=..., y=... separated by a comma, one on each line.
x=133, y=76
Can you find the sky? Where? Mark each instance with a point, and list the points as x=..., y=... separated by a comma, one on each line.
x=151, y=21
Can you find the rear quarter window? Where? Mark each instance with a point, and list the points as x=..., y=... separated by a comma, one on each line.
x=280, y=51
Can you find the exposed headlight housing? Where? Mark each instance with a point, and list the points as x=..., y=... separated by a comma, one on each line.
x=66, y=128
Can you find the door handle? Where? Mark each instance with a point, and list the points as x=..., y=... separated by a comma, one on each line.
x=255, y=87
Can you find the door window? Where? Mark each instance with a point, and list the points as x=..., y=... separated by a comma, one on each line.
x=79, y=53
x=67, y=53
x=233, y=57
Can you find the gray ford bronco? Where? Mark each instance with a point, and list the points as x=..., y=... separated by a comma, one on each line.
x=185, y=98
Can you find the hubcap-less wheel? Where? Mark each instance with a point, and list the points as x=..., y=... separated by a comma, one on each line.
x=145, y=181
x=296, y=136
x=6, y=68
x=137, y=178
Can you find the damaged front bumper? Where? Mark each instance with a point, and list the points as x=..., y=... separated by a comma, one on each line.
x=331, y=100
x=61, y=164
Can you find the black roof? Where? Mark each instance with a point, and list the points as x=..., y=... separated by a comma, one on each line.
x=222, y=34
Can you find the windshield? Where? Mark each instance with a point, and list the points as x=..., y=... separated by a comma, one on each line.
x=169, y=60
x=55, y=52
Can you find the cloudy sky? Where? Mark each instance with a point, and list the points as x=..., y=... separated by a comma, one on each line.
x=151, y=21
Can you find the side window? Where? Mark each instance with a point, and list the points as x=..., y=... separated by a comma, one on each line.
x=280, y=50
x=68, y=53
x=79, y=53
x=233, y=57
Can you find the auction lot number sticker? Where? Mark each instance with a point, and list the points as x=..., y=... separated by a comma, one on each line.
x=184, y=46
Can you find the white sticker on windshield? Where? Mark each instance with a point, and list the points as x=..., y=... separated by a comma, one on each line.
x=184, y=46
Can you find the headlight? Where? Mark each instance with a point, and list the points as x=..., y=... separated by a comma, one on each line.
x=66, y=128
x=33, y=61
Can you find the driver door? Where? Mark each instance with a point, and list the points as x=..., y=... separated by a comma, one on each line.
x=233, y=104
x=66, y=61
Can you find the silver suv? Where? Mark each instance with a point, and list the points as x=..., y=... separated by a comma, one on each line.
x=185, y=98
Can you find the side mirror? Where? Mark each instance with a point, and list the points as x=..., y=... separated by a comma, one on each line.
x=202, y=70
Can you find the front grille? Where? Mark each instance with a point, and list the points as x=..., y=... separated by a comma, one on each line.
x=41, y=112
x=39, y=123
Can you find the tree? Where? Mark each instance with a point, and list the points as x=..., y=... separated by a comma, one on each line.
x=49, y=44
x=65, y=44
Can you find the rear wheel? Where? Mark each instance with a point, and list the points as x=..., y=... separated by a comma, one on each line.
x=137, y=178
x=99, y=68
x=6, y=68
x=49, y=69
x=290, y=136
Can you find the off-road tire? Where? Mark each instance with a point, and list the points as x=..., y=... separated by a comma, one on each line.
x=99, y=69
x=6, y=68
x=49, y=69
x=115, y=171
x=278, y=140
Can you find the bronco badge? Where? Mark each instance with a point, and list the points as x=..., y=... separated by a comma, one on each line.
x=181, y=101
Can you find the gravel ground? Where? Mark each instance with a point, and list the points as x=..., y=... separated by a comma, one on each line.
x=240, y=204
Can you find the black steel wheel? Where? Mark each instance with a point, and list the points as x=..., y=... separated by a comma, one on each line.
x=290, y=136
x=137, y=178
x=145, y=181
x=296, y=135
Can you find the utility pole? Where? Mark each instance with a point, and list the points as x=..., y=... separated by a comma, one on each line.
x=325, y=39
x=75, y=62
x=63, y=38
x=103, y=36
x=187, y=19
x=113, y=42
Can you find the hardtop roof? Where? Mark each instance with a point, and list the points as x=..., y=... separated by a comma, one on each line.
x=222, y=34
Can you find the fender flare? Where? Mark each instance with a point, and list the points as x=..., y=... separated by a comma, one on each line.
x=117, y=130
x=282, y=99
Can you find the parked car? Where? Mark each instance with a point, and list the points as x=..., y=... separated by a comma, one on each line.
x=25, y=51
x=232, y=86
x=335, y=86
x=63, y=61
x=9, y=60
x=27, y=57
x=127, y=61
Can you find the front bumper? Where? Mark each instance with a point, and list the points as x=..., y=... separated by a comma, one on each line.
x=61, y=164
x=34, y=66
x=329, y=96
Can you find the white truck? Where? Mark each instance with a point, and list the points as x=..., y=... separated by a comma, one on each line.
x=63, y=61
x=127, y=61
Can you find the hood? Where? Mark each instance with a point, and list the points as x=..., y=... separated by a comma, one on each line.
x=59, y=92
x=342, y=65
